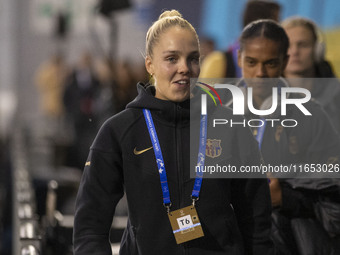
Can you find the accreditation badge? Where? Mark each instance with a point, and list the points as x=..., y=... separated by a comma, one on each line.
x=185, y=224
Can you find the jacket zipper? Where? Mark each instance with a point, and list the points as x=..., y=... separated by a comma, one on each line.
x=178, y=163
x=179, y=172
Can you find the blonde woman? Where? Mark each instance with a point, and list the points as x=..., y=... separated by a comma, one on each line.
x=144, y=152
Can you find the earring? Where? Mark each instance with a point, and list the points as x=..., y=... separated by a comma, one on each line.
x=151, y=79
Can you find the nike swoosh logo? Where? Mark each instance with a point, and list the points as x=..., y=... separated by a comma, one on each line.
x=142, y=151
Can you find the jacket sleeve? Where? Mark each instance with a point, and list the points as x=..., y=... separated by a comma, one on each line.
x=323, y=140
x=317, y=143
x=295, y=203
x=251, y=200
x=100, y=190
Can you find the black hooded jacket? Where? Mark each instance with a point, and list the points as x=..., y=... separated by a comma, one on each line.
x=234, y=213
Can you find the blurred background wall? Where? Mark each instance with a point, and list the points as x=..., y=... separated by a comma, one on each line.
x=221, y=21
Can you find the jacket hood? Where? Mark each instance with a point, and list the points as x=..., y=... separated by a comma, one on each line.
x=146, y=99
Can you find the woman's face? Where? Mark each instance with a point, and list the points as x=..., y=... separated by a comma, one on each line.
x=301, y=50
x=174, y=61
x=261, y=58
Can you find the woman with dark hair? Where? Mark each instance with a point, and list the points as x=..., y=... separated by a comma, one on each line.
x=263, y=56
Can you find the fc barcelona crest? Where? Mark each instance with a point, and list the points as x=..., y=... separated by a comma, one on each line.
x=213, y=148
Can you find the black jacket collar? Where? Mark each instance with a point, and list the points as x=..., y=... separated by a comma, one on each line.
x=168, y=111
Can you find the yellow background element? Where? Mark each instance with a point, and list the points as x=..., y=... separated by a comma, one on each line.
x=332, y=37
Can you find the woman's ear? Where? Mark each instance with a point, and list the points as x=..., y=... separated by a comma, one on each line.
x=148, y=65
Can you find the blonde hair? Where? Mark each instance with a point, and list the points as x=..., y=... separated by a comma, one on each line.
x=297, y=21
x=165, y=21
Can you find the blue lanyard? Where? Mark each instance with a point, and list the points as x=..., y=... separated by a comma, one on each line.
x=201, y=157
x=160, y=161
x=260, y=133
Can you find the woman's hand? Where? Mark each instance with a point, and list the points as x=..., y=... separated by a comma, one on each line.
x=275, y=192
